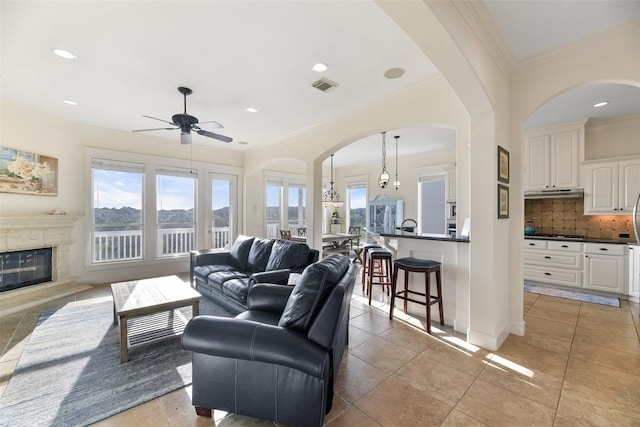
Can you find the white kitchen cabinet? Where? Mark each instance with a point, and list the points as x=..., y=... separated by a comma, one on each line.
x=611, y=187
x=604, y=267
x=634, y=273
x=552, y=156
x=553, y=262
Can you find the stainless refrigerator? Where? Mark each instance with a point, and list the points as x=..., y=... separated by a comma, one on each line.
x=636, y=220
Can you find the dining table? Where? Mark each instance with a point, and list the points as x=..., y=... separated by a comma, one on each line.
x=334, y=242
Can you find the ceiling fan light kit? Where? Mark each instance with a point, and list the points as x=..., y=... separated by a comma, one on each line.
x=186, y=123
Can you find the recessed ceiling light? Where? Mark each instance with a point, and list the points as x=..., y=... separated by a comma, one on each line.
x=252, y=110
x=64, y=54
x=69, y=102
x=600, y=104
x=394, y=73
x=243, y=143
x=320, y=67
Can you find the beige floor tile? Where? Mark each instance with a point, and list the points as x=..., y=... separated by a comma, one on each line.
x=519, y=356
x=149, y=414
x=409, y=337
x=548, y=334
x=471, y=360
x=441, y=381
x=621, y=329
x=357, y=378
x=383, y=354
x=558, y=304
x=358, y=336
x=605, y=313
x=338, y=407
x=352, y=417
x=611, y=339
x=373, y=323
x=458, y=419
x=552, y=314
x=396, y=403
x=602, y=386
x=607, y=357
x=179, y=410
x=497, y=406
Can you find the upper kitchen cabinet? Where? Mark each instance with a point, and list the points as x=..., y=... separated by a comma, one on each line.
x=611, y=187
x=552, y=156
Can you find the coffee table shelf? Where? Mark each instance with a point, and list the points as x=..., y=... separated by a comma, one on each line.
x=147, y=310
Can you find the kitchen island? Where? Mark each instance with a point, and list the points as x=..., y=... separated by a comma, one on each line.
x=453, y=254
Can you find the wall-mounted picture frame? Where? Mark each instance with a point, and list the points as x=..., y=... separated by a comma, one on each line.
x=503, y=201
x=503, y=165
x=23, y=172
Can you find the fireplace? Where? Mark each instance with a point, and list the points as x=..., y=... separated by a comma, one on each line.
x=25, y=268
x=30, y=234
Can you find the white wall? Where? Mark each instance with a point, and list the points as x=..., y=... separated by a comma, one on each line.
x=618, y=137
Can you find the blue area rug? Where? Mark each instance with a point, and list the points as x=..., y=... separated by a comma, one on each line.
x=574, y=295
x=69, y=374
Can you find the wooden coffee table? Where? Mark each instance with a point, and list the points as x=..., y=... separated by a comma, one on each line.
x=147, y=310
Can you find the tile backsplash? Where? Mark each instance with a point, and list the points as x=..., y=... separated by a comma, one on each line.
x=566, y=216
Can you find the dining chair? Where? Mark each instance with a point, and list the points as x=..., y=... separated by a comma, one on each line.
x=285, y=234
x=354, y=244
x=302, y=231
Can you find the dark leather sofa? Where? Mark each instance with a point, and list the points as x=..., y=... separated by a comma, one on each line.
x=226, y=276
x=279, y=359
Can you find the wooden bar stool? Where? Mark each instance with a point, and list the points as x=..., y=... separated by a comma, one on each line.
x=416, y=265
x=381, y=275
x=365, y=270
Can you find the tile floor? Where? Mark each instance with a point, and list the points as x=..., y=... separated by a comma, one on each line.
x=578, y=364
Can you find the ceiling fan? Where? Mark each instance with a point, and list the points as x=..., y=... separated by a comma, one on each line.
x=187, y=123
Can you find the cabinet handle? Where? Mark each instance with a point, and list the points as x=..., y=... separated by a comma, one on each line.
x=547, y=257
x=565, y=246
x=532, y=244
x=604, y=249
x=547, y=274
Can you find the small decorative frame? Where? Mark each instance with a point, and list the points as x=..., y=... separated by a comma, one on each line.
x=503, y=201
x=503, y=165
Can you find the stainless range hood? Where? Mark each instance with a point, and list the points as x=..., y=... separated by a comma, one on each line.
x=573, y=193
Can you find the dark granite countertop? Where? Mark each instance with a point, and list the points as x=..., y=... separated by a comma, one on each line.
x=426, y=236
x=584, y=239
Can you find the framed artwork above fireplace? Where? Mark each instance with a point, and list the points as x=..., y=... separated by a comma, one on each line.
x=23, y=172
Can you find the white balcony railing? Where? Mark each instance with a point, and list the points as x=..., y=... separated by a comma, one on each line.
x=125, y=245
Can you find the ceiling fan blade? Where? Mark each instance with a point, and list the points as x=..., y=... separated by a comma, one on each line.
x=210, y=124
x=145, y=130
x=155, y=118
x=214, y=135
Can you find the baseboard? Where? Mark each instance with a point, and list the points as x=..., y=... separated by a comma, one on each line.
x=23, y=299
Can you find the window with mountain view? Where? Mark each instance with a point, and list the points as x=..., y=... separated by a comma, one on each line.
x=357, y=205
x=176, y=202
x=117, y=220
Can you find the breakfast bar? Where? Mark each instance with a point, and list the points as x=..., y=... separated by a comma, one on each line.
x=453, y=254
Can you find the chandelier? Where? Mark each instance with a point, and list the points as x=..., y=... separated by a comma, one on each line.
x=396, y=183
x=331, y=196
x=384, y=175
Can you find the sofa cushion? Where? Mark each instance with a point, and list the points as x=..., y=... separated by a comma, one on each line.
x=259, y=255
x=204, y=271
x=237, y=289
x=218, y=278
x=240, y=251
x=287, y=254
x=312, y=289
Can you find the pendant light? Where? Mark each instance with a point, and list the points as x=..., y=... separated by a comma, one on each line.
x=384, y=175
x=396, y=183
x=331, y=196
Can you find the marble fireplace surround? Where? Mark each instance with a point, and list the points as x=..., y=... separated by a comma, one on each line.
x=34, y=232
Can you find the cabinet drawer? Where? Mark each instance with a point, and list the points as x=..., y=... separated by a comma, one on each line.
x=565, y=246
x=535, y=244
x=604, y=249
x=566, y=277
x=553, y=259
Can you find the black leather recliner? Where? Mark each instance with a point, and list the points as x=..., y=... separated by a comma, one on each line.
x=279, y=359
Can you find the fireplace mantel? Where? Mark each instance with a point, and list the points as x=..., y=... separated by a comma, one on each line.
x=34, y=232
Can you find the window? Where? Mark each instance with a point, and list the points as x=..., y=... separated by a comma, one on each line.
x=297, y=211
x=432, y=203
x=274, y=210
x=117, y=219
x=176, y=202
x=357, y=205
x=288, y=190
x=223, y=210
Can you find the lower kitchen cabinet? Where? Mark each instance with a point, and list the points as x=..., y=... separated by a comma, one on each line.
x=594, y=266
x=604, y=267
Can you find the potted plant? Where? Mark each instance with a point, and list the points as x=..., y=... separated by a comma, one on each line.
x=335, y=217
